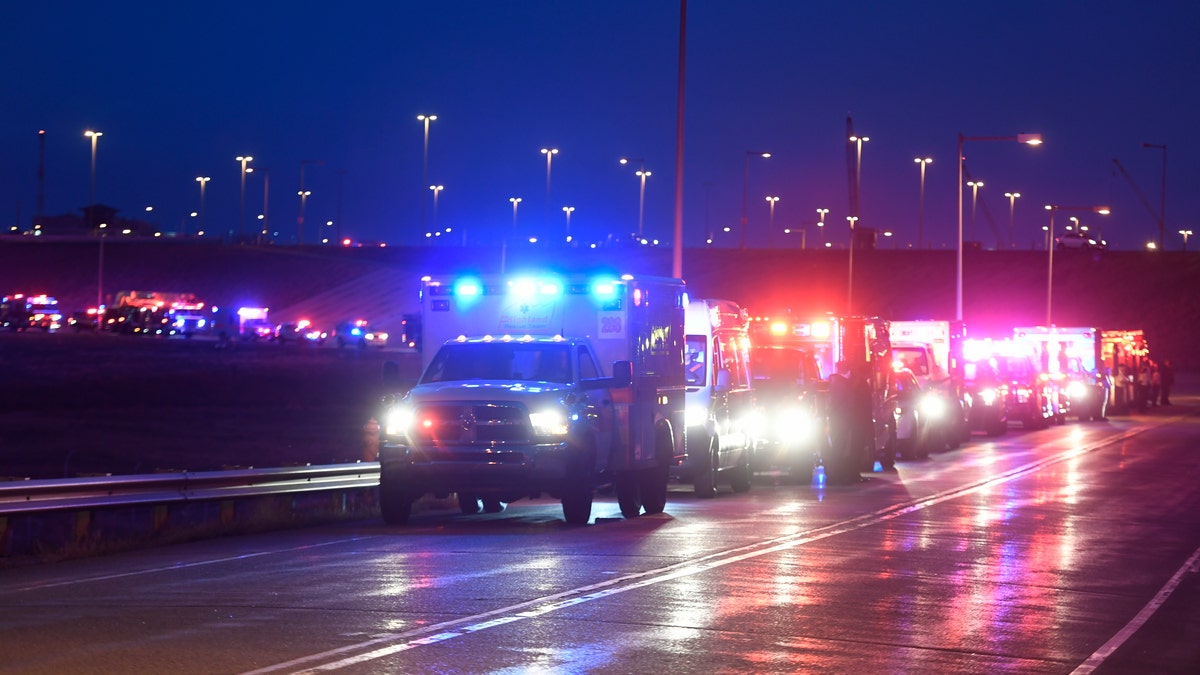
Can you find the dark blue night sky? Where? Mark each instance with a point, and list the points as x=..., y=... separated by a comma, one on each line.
x=179, y=90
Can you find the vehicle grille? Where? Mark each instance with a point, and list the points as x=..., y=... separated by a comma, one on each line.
x=472, y=424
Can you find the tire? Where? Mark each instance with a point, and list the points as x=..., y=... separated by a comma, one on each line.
x=741, y=477
x=653, y=481
x=492, y=506
x=704, y=484
x=628, y=494
x=395, y=500
x=578, y=487
x=468, y=504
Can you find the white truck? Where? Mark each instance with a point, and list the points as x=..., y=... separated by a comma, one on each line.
x=1070, y=356
x=933, y=351
x=540, y=385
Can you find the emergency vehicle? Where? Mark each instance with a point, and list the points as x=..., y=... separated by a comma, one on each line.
x=1123, y=353
x=538, y=385
x=720, y=406
x=1027, y=393
x=1069, y=356
x=791, y=395
x=21, y=312
x=932, y=350
x=155, y=313
x=254, y=323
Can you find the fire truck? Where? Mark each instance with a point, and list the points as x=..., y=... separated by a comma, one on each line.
x=535, y=385
x=156, y=313
x=21, y=312
x=932, y=350
x=1070, y=356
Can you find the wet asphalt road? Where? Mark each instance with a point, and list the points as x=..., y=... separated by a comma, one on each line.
x=1073, y=549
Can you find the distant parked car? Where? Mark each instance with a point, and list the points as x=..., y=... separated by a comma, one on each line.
x=359, y=334
x=1080, y=240
x=301, y=331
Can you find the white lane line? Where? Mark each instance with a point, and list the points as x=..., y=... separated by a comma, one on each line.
x=393, y=643
x=1106, y=650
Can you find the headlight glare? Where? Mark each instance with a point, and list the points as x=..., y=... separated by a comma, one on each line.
x=549, y=423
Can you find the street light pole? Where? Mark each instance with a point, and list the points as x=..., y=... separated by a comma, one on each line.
x=515, y=201
x=858, y=141
x=303, y=195
x=771, y=222
x=821, y=227
x=1052, y=208
x=242, y=213
x=923, y=161
x=746, y=189
x=1162, y=209
x=437, y=190
x=1186, y=234
x=1012, y=198
x=1028, y=139
x=568, y=210
x=95, y=136
x=974, y=185
x=549, y=153
x=425, y=162
x=265, y=231
x=850, y=286
x=203, y=181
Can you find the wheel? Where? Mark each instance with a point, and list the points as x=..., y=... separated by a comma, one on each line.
x=395, y=500
x=628, y=497
x=578, y=487
x=468, y=504
x=704, y=484
x=741, y=477
x=492, y=506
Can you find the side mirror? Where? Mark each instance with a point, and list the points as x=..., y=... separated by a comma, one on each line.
x=622, y=374
x=723, y=380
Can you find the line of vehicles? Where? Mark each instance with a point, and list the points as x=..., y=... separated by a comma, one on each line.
x=564, y=385
x=167, y=314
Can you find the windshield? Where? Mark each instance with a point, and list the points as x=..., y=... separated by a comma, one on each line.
x=911, y=358
x=506, y=361
x=694, y=357
x=779, y=368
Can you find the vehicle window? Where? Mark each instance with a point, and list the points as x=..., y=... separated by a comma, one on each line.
x=695, y=358
x=500, y=361
x=587, y=365
x=733, y=358
x=912, y=359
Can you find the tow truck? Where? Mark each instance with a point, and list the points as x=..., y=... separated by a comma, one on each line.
x=547, y=384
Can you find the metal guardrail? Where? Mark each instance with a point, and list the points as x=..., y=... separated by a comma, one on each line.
x=64, y=494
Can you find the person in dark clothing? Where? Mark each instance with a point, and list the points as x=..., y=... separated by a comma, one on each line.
x=1166, y=378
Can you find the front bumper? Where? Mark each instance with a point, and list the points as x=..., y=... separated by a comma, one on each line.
x=511, y=471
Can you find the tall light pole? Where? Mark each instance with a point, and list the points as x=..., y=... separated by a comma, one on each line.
x=203, y=181
x=303, y=198
x=515, y=201
x=746, y=188
x=1186, y=234
x=1053, y=208
x=771, y=201
x=1012, y=206
x=95, y=136
x=858, y=141
x=426, y=119
x=437, y=190
x=850, y=286
x=244, y=160
x=1162, y=209
x=974, y=185
x=568, y=210
x=1028, y=139
x=821, y=226
x=643, y=174
x=265, y=231
x=923, y=161
x=549, y=153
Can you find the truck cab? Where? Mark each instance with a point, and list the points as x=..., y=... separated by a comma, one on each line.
x=720, y=400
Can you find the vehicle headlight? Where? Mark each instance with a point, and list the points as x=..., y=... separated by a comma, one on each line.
x=1077, y=389
x=932, y=406
x=549, y=423
x=397, y=420
x=695, y=415
x=794, y=425
x=988, y=396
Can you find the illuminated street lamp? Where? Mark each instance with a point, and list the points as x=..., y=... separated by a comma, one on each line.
x=821, y=226
x=514, y=201
x=1028, y=139
x=95, y=136
x=549, y=153
x=426, y=119
x=643, y=174
x=1012, y=199
x=923, y=161
x=437, y=190
x=858, y=141
x=746, y=188
x=850, y=287
x=243, y=159
x=974, y=185
x=771, y=201
x=1162, y=210
x=1186, y=234
x=1053, y=208
x=568, y=210
x=203, y=181
x=304, y=194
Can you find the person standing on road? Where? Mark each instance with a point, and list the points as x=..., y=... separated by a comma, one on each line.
x=1166, y=377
